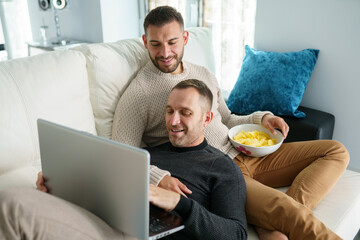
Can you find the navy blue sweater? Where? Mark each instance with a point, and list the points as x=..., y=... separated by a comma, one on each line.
x=216, y=207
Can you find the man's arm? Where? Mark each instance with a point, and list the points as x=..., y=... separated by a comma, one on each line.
x=130, y=116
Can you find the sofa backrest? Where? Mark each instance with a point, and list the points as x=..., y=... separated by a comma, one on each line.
x=111, y=67
x=53, y=86
x=57, y=86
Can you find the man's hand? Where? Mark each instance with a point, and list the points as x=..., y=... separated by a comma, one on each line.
x=163, y=198
x=173, y=184
x=40, y=183
x=271, y=122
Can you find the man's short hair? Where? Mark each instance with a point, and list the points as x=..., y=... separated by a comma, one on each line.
x=201, y=87
x=163, y=15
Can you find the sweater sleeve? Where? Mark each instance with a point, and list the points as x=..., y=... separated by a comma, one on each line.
x=157, y=174
x=130, y=122
x=130, y=116
x=226, y=217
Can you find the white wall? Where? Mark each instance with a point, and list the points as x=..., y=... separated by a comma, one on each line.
x=332, y=26
x=120, y=19
x=89, y=20
x=80, y=21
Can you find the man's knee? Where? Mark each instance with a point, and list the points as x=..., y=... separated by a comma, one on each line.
x=11, y=195
x=342, y=154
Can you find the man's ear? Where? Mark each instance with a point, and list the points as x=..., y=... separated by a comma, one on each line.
x=144, y=40
x=208, y=118
x=186, y=37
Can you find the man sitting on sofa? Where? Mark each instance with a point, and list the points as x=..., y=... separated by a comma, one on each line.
x=311, y=168
x=215, y=210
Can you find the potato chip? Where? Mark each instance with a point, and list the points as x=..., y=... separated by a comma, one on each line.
x=254, y=138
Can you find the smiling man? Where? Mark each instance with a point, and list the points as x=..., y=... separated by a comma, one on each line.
x=216, y=207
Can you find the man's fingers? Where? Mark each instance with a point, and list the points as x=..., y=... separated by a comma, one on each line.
x=284, y=128
x=177, y=189
x=181, y=193
x=184, y=188
x=284, y=131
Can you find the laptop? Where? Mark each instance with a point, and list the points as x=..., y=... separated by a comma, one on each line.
x=105, y=177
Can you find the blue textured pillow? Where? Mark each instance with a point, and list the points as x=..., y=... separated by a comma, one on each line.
x=272, y=81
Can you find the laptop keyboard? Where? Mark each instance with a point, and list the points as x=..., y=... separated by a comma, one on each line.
x=156, y=225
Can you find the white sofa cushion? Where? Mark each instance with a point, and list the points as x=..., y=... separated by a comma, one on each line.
x=111, y=67
x=53, y=86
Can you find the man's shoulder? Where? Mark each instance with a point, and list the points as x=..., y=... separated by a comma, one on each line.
x=139, y=83
x=216, y=152
x=221, y=159
x=201, y=73
x=140, y=75
x=197, y=67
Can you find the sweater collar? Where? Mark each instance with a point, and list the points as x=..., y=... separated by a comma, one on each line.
x=153, y=69
x=189, y=149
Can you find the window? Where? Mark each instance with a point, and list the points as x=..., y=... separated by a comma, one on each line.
x=16, y=26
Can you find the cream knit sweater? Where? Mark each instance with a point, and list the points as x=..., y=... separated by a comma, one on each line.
x=140, y=113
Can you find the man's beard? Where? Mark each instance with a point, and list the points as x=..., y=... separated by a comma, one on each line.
x=177, y=58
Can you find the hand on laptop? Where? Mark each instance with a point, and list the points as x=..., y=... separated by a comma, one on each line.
x=173, y=184
x=163, y=198
x=40, y=183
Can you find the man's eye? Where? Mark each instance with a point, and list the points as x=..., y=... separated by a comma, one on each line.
x=155, y=45
x=186, y=113
x=172, y=43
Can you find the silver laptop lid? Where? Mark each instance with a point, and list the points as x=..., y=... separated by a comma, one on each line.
x=119, y=192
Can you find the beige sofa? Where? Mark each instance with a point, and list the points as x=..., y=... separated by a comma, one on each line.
x=80, y=88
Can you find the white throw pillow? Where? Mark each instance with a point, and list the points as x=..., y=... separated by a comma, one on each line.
x=52, y=86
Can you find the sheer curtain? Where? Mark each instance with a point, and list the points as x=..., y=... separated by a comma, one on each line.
x=15, y=23
x=233, y=26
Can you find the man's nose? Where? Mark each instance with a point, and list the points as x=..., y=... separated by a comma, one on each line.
x=175, y=119
x=166, y=51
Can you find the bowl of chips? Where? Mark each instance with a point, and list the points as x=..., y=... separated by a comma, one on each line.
x=255, y=140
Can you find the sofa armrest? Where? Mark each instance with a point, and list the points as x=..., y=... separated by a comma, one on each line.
x=316, y=125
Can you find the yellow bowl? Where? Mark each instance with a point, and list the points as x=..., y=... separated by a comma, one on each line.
x=250, y=150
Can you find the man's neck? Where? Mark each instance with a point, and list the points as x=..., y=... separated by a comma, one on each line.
x=189, y=149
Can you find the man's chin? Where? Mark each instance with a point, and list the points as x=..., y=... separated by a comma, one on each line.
x=175, y=143
x=166, y=69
